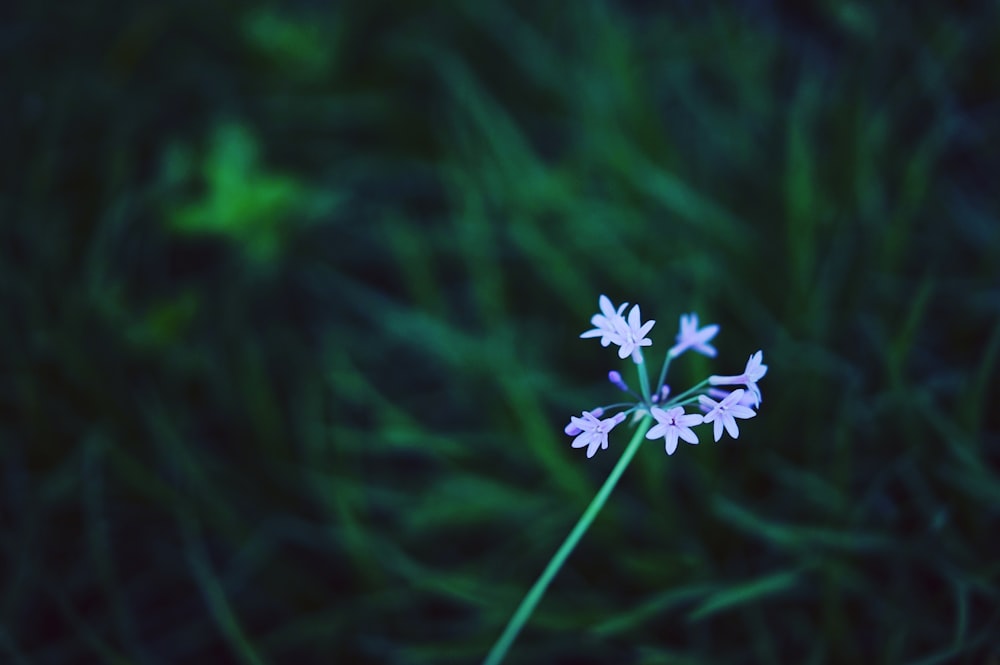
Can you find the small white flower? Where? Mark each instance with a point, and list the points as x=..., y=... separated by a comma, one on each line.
x=573, y=430
x=607, y=324
x=593, y=431
x=673, y=424
x=690, y=337
x=632, y=335
x=724, y=413
x=754, y=372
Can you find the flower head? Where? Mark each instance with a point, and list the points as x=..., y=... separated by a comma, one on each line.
x=690, y=337
x=632, y=335
x=609, y=323
x=673, y=424
x=724, y=413
x=593, y=432
x=723, y=402
x=573, y=430
x=754, y=372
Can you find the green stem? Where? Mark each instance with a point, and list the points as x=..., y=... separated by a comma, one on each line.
x=643, y=379
x=527, y=606
x=663, y=371
x=687, y=393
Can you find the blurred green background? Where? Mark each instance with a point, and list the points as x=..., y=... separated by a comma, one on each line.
x=290, y=297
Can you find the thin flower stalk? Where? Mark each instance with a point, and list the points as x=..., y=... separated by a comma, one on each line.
x=592, y=429
x=535, y=593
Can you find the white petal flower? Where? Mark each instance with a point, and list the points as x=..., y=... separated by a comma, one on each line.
x=632, y=335
x=673, y=424
x=690, y=337
x=724, y=413
x=609, y=323
x=593, y=432
x=754, y=372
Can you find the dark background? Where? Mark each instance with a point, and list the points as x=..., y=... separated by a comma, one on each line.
x=289, y=305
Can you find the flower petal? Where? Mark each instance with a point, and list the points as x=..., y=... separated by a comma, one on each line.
x=634, y=318
x=690, y=419
x=742, y=411
x=656, y=431
x=731, y=427
x=687, y=434
x=670, y=444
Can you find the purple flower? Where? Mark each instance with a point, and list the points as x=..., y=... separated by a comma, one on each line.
x=754, y=372
x=632, y=335
x=593, y=432
x=724, y=413
x=690, y=337
x=573, y=430
x=672, y=424
x=609, y=323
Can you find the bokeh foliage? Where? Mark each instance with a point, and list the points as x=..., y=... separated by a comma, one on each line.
x=291, y=296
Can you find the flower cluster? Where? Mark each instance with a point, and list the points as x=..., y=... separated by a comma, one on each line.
x=719, y=406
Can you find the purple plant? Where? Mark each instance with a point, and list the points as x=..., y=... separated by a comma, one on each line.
x=720, y=407
x=590, y=429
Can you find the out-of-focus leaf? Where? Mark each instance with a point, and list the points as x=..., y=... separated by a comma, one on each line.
x=743, y=594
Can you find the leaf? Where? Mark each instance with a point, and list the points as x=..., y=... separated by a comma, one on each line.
x=745, y=593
